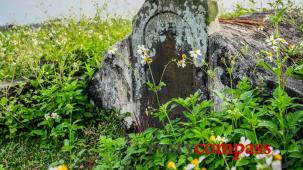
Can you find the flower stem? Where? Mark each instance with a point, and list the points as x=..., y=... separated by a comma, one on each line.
x=156, y=93
x=225, y=159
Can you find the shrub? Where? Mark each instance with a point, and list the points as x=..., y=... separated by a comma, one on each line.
x=55, y=62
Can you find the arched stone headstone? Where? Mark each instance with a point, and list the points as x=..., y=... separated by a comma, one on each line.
x=168, y=28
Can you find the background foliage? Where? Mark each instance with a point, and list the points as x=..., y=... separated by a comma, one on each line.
x=47, y=119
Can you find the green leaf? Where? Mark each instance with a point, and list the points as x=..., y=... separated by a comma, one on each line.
x=294, y=119
x=242, y=162
x=265, y=65
x=66, y=146
x=270, y=125
x=165, y=141
x=37, y=132
x=296, y=155
x=161, y=85
x=246, y=95
x=87, y=114
x=206, y=104
x=293, y=148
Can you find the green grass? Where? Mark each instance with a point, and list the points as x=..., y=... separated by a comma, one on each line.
x=27, y=155
x=23, y=49
x=56, y=59
x=240, y=11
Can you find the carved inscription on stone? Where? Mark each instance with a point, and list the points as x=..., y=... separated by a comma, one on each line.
x=165, y=25
x=168, y=36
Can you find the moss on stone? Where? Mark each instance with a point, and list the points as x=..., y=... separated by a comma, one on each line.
x=212, y=12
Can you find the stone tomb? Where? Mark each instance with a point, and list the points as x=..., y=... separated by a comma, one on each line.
x=168, y=28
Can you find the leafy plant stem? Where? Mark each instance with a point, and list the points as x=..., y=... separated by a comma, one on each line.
x=70, y=141
x=225, y=159
x=171, y=126
x=256, y=138
x=164, y=70
x=156, y=93
x=12, y=80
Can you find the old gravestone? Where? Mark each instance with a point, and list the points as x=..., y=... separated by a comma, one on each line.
x=168, y=28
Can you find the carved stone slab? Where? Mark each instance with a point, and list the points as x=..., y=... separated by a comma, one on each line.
x=168, y=28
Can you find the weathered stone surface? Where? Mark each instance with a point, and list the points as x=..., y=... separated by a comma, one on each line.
x=9, y=87
x=168, y=28
x=242, y=39
x=111, y=87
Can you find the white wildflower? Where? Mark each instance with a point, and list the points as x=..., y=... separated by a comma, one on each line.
x=273, y=154
x=90, y=32
x=276, y=165
x=233, y=168
x=274, y=42
x=271, y=41
x=47, y=116
x=244, y=142
x=142, y=50
x=75, y=65
x=267, y=18
x=281, y=40
x=270, y=56
x=52, y=168
x=221, y=139
x=181, y=63
x=189, y=167
x=260, y=28
x=146, y=59
x=112, y=50
x=55, y=116
x=195, y=53
x=195, y=163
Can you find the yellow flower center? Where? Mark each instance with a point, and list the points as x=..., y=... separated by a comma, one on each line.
x=62, y=167
x=283, y=41
x=171, y=165
x=212, y=138
x=145, y=51
x=148, y=60
x=270, y=54
x=195, y=162
x=278, y=157
x=184, y=56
